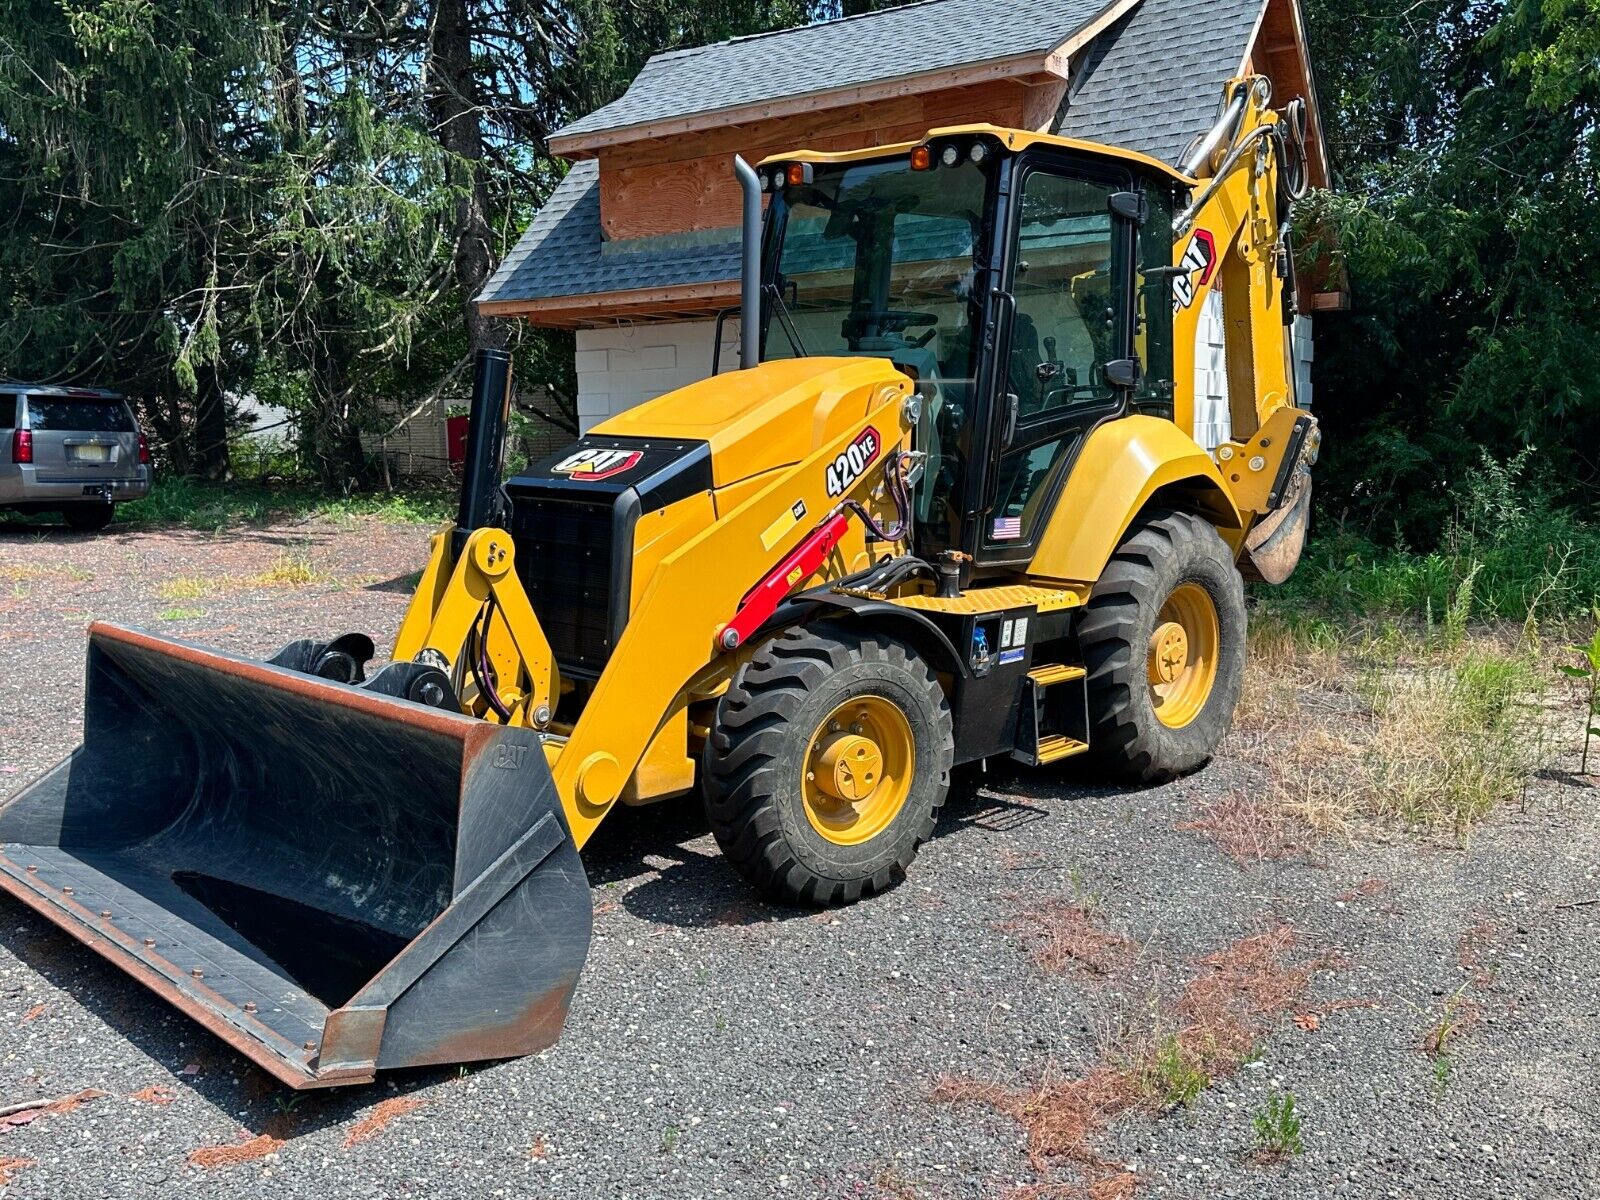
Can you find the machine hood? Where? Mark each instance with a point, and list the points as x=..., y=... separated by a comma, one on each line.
x=773, y=415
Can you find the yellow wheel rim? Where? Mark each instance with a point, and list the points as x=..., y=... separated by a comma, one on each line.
x=858, y=770
x=1183, y=655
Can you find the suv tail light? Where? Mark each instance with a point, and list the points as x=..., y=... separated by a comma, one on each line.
x=22, y=446
x=144, y=449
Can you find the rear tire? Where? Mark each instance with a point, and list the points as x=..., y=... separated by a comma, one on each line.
x=86, y=518
x=815, y=714
x=1163, y=639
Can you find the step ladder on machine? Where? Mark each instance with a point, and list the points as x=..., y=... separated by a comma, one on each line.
x=1054, y=721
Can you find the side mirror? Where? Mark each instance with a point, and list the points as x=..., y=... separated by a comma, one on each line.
x=1124, y=372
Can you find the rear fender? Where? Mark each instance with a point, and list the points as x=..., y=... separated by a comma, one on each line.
x=1126, y=466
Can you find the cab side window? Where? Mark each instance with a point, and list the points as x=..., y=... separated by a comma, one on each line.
x=1070, y=284
x=1065, y=327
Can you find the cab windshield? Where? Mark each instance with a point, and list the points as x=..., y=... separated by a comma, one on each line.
x=876, y=259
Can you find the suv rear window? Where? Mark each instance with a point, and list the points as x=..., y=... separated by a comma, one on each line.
x=95, y=416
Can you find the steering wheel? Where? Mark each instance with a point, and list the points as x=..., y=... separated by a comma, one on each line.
x=892, y=320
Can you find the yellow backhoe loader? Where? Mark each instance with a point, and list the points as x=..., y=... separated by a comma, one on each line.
x=948, y=508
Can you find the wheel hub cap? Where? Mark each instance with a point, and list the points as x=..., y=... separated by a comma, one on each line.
x=858, y=769
x=848, y=767
x=1169, y=653
x=1183, y=655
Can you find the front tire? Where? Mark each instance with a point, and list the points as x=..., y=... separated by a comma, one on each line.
x=827, y=764
x=1163, y=639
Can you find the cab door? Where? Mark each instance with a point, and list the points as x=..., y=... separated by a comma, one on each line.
x=1066, y=356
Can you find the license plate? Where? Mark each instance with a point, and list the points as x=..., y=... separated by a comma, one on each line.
x=97, y=454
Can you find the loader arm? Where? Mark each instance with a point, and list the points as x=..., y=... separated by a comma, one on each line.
x=481, y=587
x=678, y=627
x=1229, y=241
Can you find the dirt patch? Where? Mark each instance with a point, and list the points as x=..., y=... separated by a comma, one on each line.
x=1247, y=831
x=70, y=1103
x=1061, y=1117
x=247, y=1149
x=10, y=1166
x=1206, y=1034
x=1367, y=889
x=380, y=1118
x=1239, y=993
x=1473, y=950
x=1062, y=935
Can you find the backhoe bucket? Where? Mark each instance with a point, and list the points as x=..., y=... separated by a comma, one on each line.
x=330, y=879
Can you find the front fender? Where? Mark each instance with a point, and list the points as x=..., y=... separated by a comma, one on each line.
x=1122, y=467
x=911, y=625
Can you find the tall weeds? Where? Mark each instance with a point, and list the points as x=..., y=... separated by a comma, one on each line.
x=1428, y=726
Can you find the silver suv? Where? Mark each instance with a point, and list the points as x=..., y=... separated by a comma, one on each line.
x=75, y=451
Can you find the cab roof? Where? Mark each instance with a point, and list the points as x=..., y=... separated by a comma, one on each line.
x=1014, y=140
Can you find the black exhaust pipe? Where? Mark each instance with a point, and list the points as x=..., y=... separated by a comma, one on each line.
x=486, y=440
x=750, y=266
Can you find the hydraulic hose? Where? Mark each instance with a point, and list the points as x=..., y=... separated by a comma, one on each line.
x=478, y=658
x=899, y=495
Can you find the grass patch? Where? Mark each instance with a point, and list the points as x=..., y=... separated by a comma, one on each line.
x=289, y=570
x=1527, y=557
x=1248, y=830
x=1173, y=1077
x=1277, y=1128
x=1439, y=1041
x=187, y=587
x=196, y=505
x=1208, y=1033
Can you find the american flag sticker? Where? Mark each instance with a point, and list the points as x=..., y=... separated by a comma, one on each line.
x=1007, y=529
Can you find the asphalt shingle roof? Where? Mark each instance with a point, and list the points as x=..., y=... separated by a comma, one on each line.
x=895, y=43
x=1151, y=83
x=562, y=253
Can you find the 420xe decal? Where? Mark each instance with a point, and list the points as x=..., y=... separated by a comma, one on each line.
x=844, y=470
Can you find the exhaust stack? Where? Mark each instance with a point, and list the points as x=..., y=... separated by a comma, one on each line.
x=749, y=266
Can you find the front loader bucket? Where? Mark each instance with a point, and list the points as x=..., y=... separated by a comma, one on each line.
x=332, y=880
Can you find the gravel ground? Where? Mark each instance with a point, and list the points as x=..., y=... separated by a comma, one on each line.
x=718, y=1047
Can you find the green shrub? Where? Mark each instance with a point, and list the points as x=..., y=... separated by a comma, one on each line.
x=199, y=505
x=1525, y=556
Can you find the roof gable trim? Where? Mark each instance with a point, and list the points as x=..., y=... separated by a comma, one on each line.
x=1032, y=68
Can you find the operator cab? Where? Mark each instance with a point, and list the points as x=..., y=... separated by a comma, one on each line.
x=1023, y=282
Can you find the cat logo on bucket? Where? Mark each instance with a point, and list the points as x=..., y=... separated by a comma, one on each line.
x=596, y=462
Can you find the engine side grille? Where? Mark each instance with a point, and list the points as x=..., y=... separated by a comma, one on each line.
x=564, y=559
